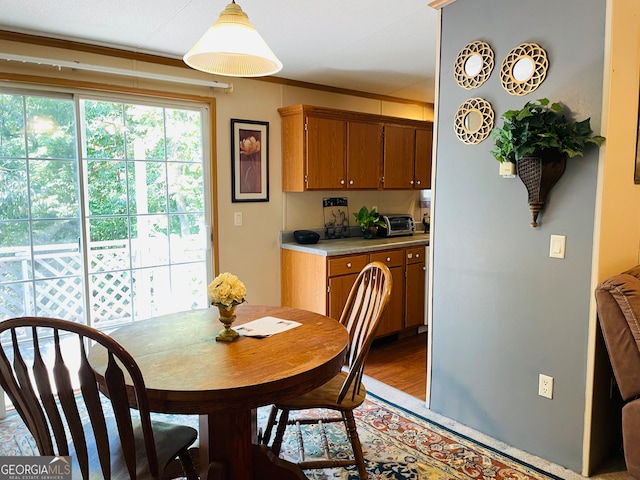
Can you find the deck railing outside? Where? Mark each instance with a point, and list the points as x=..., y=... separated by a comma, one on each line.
x=59, y=271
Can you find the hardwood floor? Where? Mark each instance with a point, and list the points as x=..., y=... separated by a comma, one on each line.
x=400, y=363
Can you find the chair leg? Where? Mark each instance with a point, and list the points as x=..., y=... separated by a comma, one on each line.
x=187, y=465
x=216, y=471
x=352, y=432
x=270, y=423
x=282, y=425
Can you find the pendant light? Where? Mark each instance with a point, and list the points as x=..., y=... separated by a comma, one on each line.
x=233, y=47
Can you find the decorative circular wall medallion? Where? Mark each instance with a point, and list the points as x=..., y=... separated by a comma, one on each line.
x=524, y=69
x=473, y=65
x=474, y=121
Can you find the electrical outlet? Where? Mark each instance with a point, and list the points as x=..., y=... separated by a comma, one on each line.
x=237, y=219
x=545, y=386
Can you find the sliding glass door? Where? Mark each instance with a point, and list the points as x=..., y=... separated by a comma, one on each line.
x=104, y=207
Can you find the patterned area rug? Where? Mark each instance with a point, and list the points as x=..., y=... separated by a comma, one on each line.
x=397, y=445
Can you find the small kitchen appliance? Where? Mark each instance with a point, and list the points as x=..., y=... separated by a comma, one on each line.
x=396, y=225
x=306, y=237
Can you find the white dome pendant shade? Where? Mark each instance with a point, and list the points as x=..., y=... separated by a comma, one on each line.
x=233, y=47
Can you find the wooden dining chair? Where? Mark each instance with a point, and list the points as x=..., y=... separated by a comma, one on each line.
x=361, y=315
x=45, y=371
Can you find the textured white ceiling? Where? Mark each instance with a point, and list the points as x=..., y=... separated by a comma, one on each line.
x=377, y=46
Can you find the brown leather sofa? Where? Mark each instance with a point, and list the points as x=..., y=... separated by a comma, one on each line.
x=618, y=301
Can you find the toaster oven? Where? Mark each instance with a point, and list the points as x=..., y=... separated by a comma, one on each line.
x=396, y=225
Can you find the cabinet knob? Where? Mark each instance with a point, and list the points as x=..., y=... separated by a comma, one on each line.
x=350, y=182
x=417, y=255
x=388, y=259
x=411, y=182
x=418, y=182
x=341, y=182
x=348, y=264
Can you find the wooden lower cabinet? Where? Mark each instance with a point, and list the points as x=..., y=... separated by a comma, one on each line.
x=322, y=284
x=393, y=319
x=300, y=282
x=342, y=272
x=415, y=283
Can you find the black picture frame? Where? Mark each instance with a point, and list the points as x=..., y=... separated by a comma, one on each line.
x=249, y=161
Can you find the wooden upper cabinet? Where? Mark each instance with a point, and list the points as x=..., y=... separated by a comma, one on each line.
x=399, y=155
x=326, y=153
x=364, y=155
x=422, y=165
x=407, y=157
x=329, y=149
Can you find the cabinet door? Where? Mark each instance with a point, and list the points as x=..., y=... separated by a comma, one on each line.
x=342, y=272
x=399, y=153
x=415, y=287
x=326, y=153
x=339, y=288
x=424, y=141
x=364, y=155
x=392, y=320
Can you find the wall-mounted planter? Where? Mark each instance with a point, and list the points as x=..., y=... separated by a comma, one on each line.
x=538, y=138
x=539, y=174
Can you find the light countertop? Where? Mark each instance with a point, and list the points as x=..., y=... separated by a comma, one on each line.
x=352, y=245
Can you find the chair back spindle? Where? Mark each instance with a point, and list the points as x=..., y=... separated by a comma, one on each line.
x=361, y=316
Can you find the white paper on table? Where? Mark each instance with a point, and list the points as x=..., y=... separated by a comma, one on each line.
x=265, y=327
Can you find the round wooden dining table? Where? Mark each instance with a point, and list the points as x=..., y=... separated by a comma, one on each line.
x=187, y=371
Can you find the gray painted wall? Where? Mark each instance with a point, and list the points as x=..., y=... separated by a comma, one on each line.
x=503, y=311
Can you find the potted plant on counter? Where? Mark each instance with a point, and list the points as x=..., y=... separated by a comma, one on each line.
x=369, y=221
x=538, y=139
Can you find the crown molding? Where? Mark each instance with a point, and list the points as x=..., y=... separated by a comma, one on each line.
x=438, y=4
x=174, y=62
x=88, y=48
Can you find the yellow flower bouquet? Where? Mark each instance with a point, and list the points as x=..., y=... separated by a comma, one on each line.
x=226, y=291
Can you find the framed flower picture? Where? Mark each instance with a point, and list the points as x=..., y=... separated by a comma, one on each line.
x=249, y=161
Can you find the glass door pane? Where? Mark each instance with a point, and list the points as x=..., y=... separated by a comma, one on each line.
x=41, y=268
x=145, y=202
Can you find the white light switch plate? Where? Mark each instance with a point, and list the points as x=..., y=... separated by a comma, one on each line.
x=557, y=246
